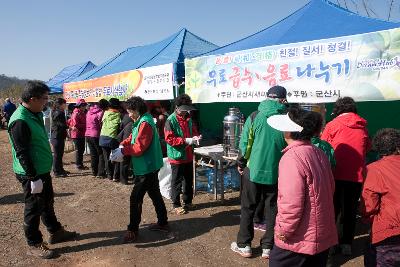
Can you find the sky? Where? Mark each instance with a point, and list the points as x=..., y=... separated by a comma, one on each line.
x=39, y=38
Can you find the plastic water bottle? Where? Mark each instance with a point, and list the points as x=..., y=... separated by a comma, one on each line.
x=210, y=176
x=227, y=179
x=235, y=179
x=201, y=179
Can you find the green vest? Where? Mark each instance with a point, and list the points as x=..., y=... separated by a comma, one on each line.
x=39, y=144
x=177, y=152
x=151, y=160
x=327, y=148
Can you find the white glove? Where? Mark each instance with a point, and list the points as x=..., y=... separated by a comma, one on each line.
x=121, y=146
x=36, y=186
x=189, y=141
x=196, y=140
x=116, y=155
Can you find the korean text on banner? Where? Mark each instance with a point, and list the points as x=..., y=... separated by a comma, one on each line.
x=153, y=83
x=365, y=67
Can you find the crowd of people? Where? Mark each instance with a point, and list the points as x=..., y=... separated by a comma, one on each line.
x=124, y=140
x=104, y=125
x=301, y=181
x=307, y=181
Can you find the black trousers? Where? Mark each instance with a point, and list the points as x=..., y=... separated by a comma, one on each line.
x=38, y=206
x=142, y=184
x=96, y=157
x=111, y=170
x=285, y=258
x=260, y=212
x=384, y=253
x=346, y=199
x=124, y=169
x=251, y=195
x=58, y=153
x=182, y=178
x=79, y=150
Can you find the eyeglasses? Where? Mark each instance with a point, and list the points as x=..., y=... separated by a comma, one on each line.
x=42, y=98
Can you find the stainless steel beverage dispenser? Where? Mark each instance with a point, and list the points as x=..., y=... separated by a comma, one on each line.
x=233, y=126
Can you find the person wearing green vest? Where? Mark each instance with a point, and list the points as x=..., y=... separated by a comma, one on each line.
x=180, y=136
x=32, y=163
x=322, y=144
x=143, y=145
x=260, y=151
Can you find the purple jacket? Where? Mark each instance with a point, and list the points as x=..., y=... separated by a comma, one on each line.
x=306, y=215
x=78, y=121
x=93, y=121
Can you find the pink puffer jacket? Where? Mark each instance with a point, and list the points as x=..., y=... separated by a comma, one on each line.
x=93, y=121
x=306, y=214
x=77, y=124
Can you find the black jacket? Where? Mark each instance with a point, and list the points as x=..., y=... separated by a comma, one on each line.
x=59, y=125
x=126, y=126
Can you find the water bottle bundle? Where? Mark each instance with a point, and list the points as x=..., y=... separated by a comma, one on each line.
x=205, y=179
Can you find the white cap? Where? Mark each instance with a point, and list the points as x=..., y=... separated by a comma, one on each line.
x=283, y=123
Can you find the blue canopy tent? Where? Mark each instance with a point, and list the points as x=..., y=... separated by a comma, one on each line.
x=319, y=19
x=173, y=49
x=68, y=74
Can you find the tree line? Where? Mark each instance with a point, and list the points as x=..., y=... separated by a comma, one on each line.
x=11, y=86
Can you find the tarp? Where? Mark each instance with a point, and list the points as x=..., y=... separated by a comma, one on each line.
x=173, y=49
x=319, y=19
x=68, y=74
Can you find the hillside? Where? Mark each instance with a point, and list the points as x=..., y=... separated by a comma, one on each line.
x=7, y=82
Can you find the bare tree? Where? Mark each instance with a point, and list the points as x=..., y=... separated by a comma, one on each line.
x=390, y=9
x=381, y=9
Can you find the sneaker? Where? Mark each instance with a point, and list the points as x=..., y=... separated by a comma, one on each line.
x=244, y=252
x=346, y=249
x=130, y=237
x=179, y=211
x=260, y=227
x=61, y=236
x=40, y=251
x=161, y=228
x=265, y=253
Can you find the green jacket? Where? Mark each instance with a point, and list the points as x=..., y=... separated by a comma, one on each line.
x=39, y=144
x=327, y=148
x=151, y=160
x=110, y=123
x=177, y=152
x=261, y=145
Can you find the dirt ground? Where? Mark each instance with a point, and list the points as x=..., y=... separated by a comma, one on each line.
x=98, y=210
